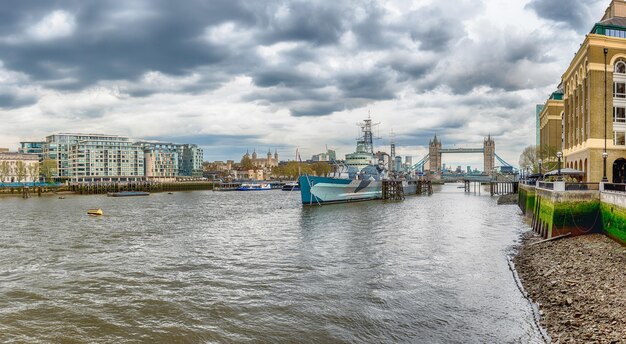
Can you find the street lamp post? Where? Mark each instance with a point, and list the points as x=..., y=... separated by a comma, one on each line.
x=559, y=155
x=540, y=172
x=604, y=154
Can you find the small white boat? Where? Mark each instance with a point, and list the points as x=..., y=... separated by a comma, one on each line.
x=254, y=187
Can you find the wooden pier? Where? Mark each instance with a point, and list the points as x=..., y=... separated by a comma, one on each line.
x=468, y=185
x=495, y=187
x=393, y=190
x=503, y=188
x=424, y=186
x=103, y=188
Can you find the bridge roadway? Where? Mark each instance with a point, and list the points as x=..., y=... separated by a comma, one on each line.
x=462, y=150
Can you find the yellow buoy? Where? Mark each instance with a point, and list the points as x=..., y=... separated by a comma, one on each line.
x=95, y=212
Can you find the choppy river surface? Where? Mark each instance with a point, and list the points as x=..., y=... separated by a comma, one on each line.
x=202, y=267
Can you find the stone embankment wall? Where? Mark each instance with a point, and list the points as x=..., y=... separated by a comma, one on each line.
x=554, y=213
x=526, y=199
x=613, y=212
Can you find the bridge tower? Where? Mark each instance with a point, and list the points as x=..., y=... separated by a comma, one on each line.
x=489, y=146
x=434, y=151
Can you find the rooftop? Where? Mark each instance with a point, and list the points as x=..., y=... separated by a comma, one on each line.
x=613, y=23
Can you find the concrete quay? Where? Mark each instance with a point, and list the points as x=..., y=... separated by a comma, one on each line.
x=560, y=208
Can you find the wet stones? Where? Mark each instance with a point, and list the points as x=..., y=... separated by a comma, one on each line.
x=580, y=286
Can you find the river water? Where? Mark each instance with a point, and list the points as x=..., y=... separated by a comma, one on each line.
x=203, y=267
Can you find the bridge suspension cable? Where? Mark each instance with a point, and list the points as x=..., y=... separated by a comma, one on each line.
x=419, y=166
x=504, y=163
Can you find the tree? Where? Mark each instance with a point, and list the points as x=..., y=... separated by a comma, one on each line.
x=48, y=168
x=292, y=170
x=548, y=156
x=528, y=159
x=246, y=163
x=321, y=168
x=5, y=169
x=33, y=172
x=20, y=171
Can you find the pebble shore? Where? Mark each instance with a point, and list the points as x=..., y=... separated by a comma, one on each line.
x=579, y=284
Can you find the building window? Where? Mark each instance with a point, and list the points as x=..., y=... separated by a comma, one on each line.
x=615, y=33
x=620, y=67
x=619, y=90
x=619, y=138
x=619, y=115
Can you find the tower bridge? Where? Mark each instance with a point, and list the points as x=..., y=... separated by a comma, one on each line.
x=435, y=152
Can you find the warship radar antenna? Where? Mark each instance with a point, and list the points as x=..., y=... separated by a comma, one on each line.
x=368, y=137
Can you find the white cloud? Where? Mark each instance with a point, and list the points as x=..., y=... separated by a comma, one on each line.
x=57, y=24
x=498, y=60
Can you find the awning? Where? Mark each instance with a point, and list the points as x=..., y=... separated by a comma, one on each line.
x=566, y=172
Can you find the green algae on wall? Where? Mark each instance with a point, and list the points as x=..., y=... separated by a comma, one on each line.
x=546, y=213
x=563, y=217
x=526, y=200
x=521, y=199
x=614, y=221
x=530, y=201
x=578, y=217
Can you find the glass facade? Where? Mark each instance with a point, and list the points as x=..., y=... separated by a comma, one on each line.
x=181, y=160
x=96, y=157
x=32, y=148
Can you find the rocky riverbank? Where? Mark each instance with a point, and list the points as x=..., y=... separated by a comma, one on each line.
x=508, y=199
x=580, y=286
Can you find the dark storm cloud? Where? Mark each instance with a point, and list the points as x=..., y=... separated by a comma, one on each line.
x=11, y=101
x=573, y=14
x=408, y=66
x=115, y=43
x=305, y=95
x=505, y=61
x=319, y=23
x=210, y=139
x=372, y=33
x=316, y=109
x=374, y=85
x=123, y=40
x=163, y=38
x=285, y=77
x=435, y=27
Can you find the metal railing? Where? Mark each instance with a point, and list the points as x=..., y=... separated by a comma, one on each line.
x=546, y=185
x=615, y=187
x=582, y=186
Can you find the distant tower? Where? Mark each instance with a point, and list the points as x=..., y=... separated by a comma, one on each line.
x=269, y=158
x=254, y=156
x=276, y=155
x=489, y=154
x=398, y=161
x=392, y=156
x=434, y=151
x=408, y=160
x=247, y=153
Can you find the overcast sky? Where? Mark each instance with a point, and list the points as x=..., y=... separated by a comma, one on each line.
x=231, y=75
